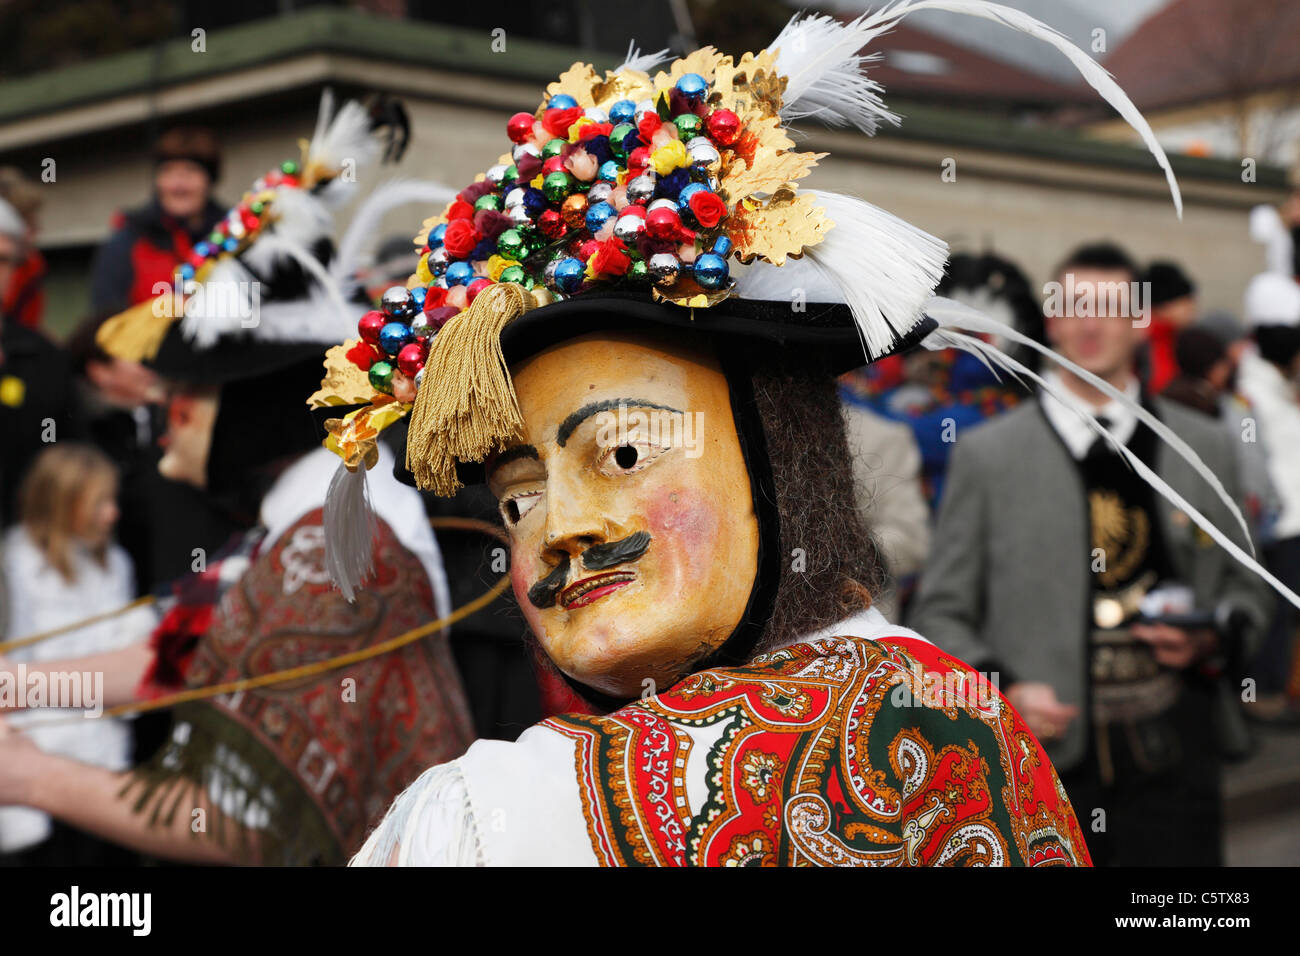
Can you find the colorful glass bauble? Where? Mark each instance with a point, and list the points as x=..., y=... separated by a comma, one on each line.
x=398, y=303
x=370, y=326
x=394, y=336
x=381, y=377
x=411, y=359
x=569, y=273
x=459, y=273
x=664, y=267
x=710, y=271
x=510, y=244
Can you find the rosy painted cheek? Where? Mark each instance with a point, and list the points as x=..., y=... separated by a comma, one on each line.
x=685, y=529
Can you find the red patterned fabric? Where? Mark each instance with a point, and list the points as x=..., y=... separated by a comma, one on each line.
x=194, y=600
x=834, y=751
x=353, y=737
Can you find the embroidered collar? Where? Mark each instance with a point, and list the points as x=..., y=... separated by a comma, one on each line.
x=869, y=624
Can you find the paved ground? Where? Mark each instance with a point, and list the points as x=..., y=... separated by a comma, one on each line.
x=1262, y=802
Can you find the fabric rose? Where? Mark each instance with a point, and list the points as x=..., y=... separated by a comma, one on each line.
x=441, y=315
x=582, y=165
x=460, y=210
x=610, y=259
x=475, y=190
x=671, y=155
x=362, y=356
x=434, y=297
x=460, y=239
x=528, y=166
x=491, y=223
x=707, y=208
x=557, y=122
x=649, y=125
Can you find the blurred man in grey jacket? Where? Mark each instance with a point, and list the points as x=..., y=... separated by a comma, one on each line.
x=1117, y=628
x=890, y=499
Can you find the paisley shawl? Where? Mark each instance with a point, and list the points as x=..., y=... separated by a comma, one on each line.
x=312, y=765
x=871, y=748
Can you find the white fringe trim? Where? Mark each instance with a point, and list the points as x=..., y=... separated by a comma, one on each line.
x=399, y=829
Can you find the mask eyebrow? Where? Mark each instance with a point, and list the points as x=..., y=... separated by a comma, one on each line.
x=586, y=411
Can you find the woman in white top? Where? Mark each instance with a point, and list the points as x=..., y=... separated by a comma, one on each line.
x=61, y=566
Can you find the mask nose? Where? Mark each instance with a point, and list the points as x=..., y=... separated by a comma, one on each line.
x=571, y=528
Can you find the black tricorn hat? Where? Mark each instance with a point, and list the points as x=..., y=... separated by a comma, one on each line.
x=820, y=334
x=230, y=360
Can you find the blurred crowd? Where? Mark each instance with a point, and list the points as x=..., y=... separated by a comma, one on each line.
x=1015, y=536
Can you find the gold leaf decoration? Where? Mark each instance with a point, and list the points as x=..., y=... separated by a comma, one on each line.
x=751, y=88
x=344, y=383
x=687, y=292
x=703, y=61
x=762, y=160
x=577, y=81
x=784, y=225
x=354, y=436
x=634, y=85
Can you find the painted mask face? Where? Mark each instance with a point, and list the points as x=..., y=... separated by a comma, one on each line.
x=635, y=543
x=191, y=417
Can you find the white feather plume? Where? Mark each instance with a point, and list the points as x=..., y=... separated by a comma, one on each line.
x=949, y=338
x=365, y=220
x=323, y=113
x=1096, y=76
x=821, y=59
x=882, y=267
x=645, y=62
x=229, y=301
x=346, y=141
x=316, y=318
x=296, y=218
x=273, y=249
x=223, y=304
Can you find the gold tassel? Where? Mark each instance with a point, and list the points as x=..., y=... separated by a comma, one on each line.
x=136, y=334
x=466, y=407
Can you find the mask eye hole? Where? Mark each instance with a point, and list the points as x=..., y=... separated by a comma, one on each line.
x=625, y=456
x=630, y=457
x=514, y=508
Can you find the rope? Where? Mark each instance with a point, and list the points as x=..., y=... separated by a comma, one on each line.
x=76, y=625
x=311, y=670
x=305, y=670
x=452, y=524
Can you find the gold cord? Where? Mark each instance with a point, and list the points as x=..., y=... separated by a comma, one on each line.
x=76, y=625
x=305, y=670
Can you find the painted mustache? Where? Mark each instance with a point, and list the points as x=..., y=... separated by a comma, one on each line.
x=542, y=594
x=596, y=558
